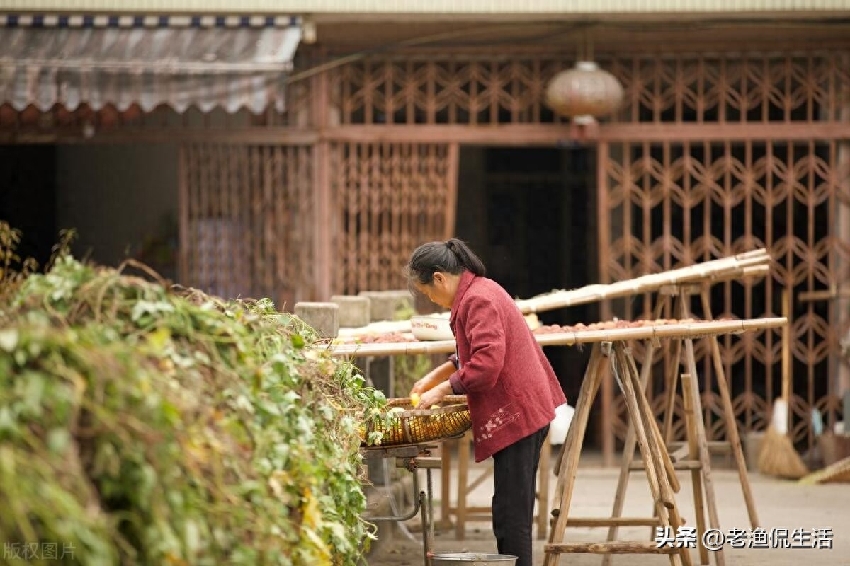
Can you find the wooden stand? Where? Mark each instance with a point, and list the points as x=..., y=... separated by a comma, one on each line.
x=680, y=296
x=693, y=457
x=658, y=466
x=653, y=447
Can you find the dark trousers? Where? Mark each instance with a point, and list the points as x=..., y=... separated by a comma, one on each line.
x=514, y=495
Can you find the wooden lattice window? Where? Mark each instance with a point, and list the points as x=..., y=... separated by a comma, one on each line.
x=672, y=204
x=736, y=88
x=247, y=220
x=389, y=199
x=681, y=198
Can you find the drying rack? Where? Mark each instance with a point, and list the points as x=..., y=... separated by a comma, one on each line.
x=570, y=338
x=723, y=269
x=676, y=285
x=653, y=334
x=612, y=354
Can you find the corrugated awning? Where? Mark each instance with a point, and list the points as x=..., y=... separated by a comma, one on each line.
x=559, y=8
x=207, y=67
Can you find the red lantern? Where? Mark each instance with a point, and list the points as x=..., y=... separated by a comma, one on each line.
x=584, y=90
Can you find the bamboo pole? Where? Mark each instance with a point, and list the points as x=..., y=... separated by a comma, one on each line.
x=825, y=295
x=649, y=332
x=745, y=265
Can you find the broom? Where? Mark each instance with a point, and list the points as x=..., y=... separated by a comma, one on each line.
x=838, y=472
x=778, y=456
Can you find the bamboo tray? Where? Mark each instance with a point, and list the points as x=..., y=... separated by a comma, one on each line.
x=667, y=331
x=416, y=426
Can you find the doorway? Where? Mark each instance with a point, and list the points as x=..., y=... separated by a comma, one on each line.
x=120, y=199
x=28, y=197
x=530, y=213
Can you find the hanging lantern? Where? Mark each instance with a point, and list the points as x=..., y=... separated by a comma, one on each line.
x=584, y=90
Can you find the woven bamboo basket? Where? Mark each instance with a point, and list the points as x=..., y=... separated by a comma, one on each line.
x=415, y=426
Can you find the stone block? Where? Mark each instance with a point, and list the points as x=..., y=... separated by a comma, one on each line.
x=384, y=304
x=323, y=317
x=354, y=310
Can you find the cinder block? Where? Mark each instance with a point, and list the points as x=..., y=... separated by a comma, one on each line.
x=384, y=304
x=354, y=310
x=323, y=317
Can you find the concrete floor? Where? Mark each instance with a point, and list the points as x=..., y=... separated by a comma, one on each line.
x=779, y=504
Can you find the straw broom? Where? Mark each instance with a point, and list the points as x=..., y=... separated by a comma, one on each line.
x=778, y=456
x=839, y=472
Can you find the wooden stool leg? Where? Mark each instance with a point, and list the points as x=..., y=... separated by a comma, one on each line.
x=629, y=444
x=654, y=452
x=671, y=377
x=543, y=490
x=654, y=434
x=729, y=416
x=628, y=455
x=594, y=366
x=696, y=475
x=734, y=438
x=651, y=425
x=702, y=442
x=662, y=499
x=572, y=450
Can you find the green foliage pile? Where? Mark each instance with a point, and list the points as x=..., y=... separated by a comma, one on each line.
x=146, y=424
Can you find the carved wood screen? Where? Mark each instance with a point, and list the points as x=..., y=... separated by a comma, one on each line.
x=247, y=220
x=427, y=90
x=672, y=204
x=694, y=193
x=389, y=198
x=737, y=88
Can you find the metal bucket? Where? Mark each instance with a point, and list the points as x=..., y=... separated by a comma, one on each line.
x=472, y=559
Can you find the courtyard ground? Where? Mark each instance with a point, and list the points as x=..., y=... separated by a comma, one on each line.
x=780, y=505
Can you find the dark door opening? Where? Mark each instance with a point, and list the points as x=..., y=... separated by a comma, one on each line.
x=530, y=214
x=28, y=197
x=117, y=203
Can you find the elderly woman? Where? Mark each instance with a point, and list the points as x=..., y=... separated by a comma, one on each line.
x=510, y=386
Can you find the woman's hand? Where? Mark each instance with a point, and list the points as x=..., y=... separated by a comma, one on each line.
x=434, y=377
x=434, y=395
x=424, y=384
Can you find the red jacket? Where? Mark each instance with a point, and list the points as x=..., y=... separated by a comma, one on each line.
x=511, y=388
